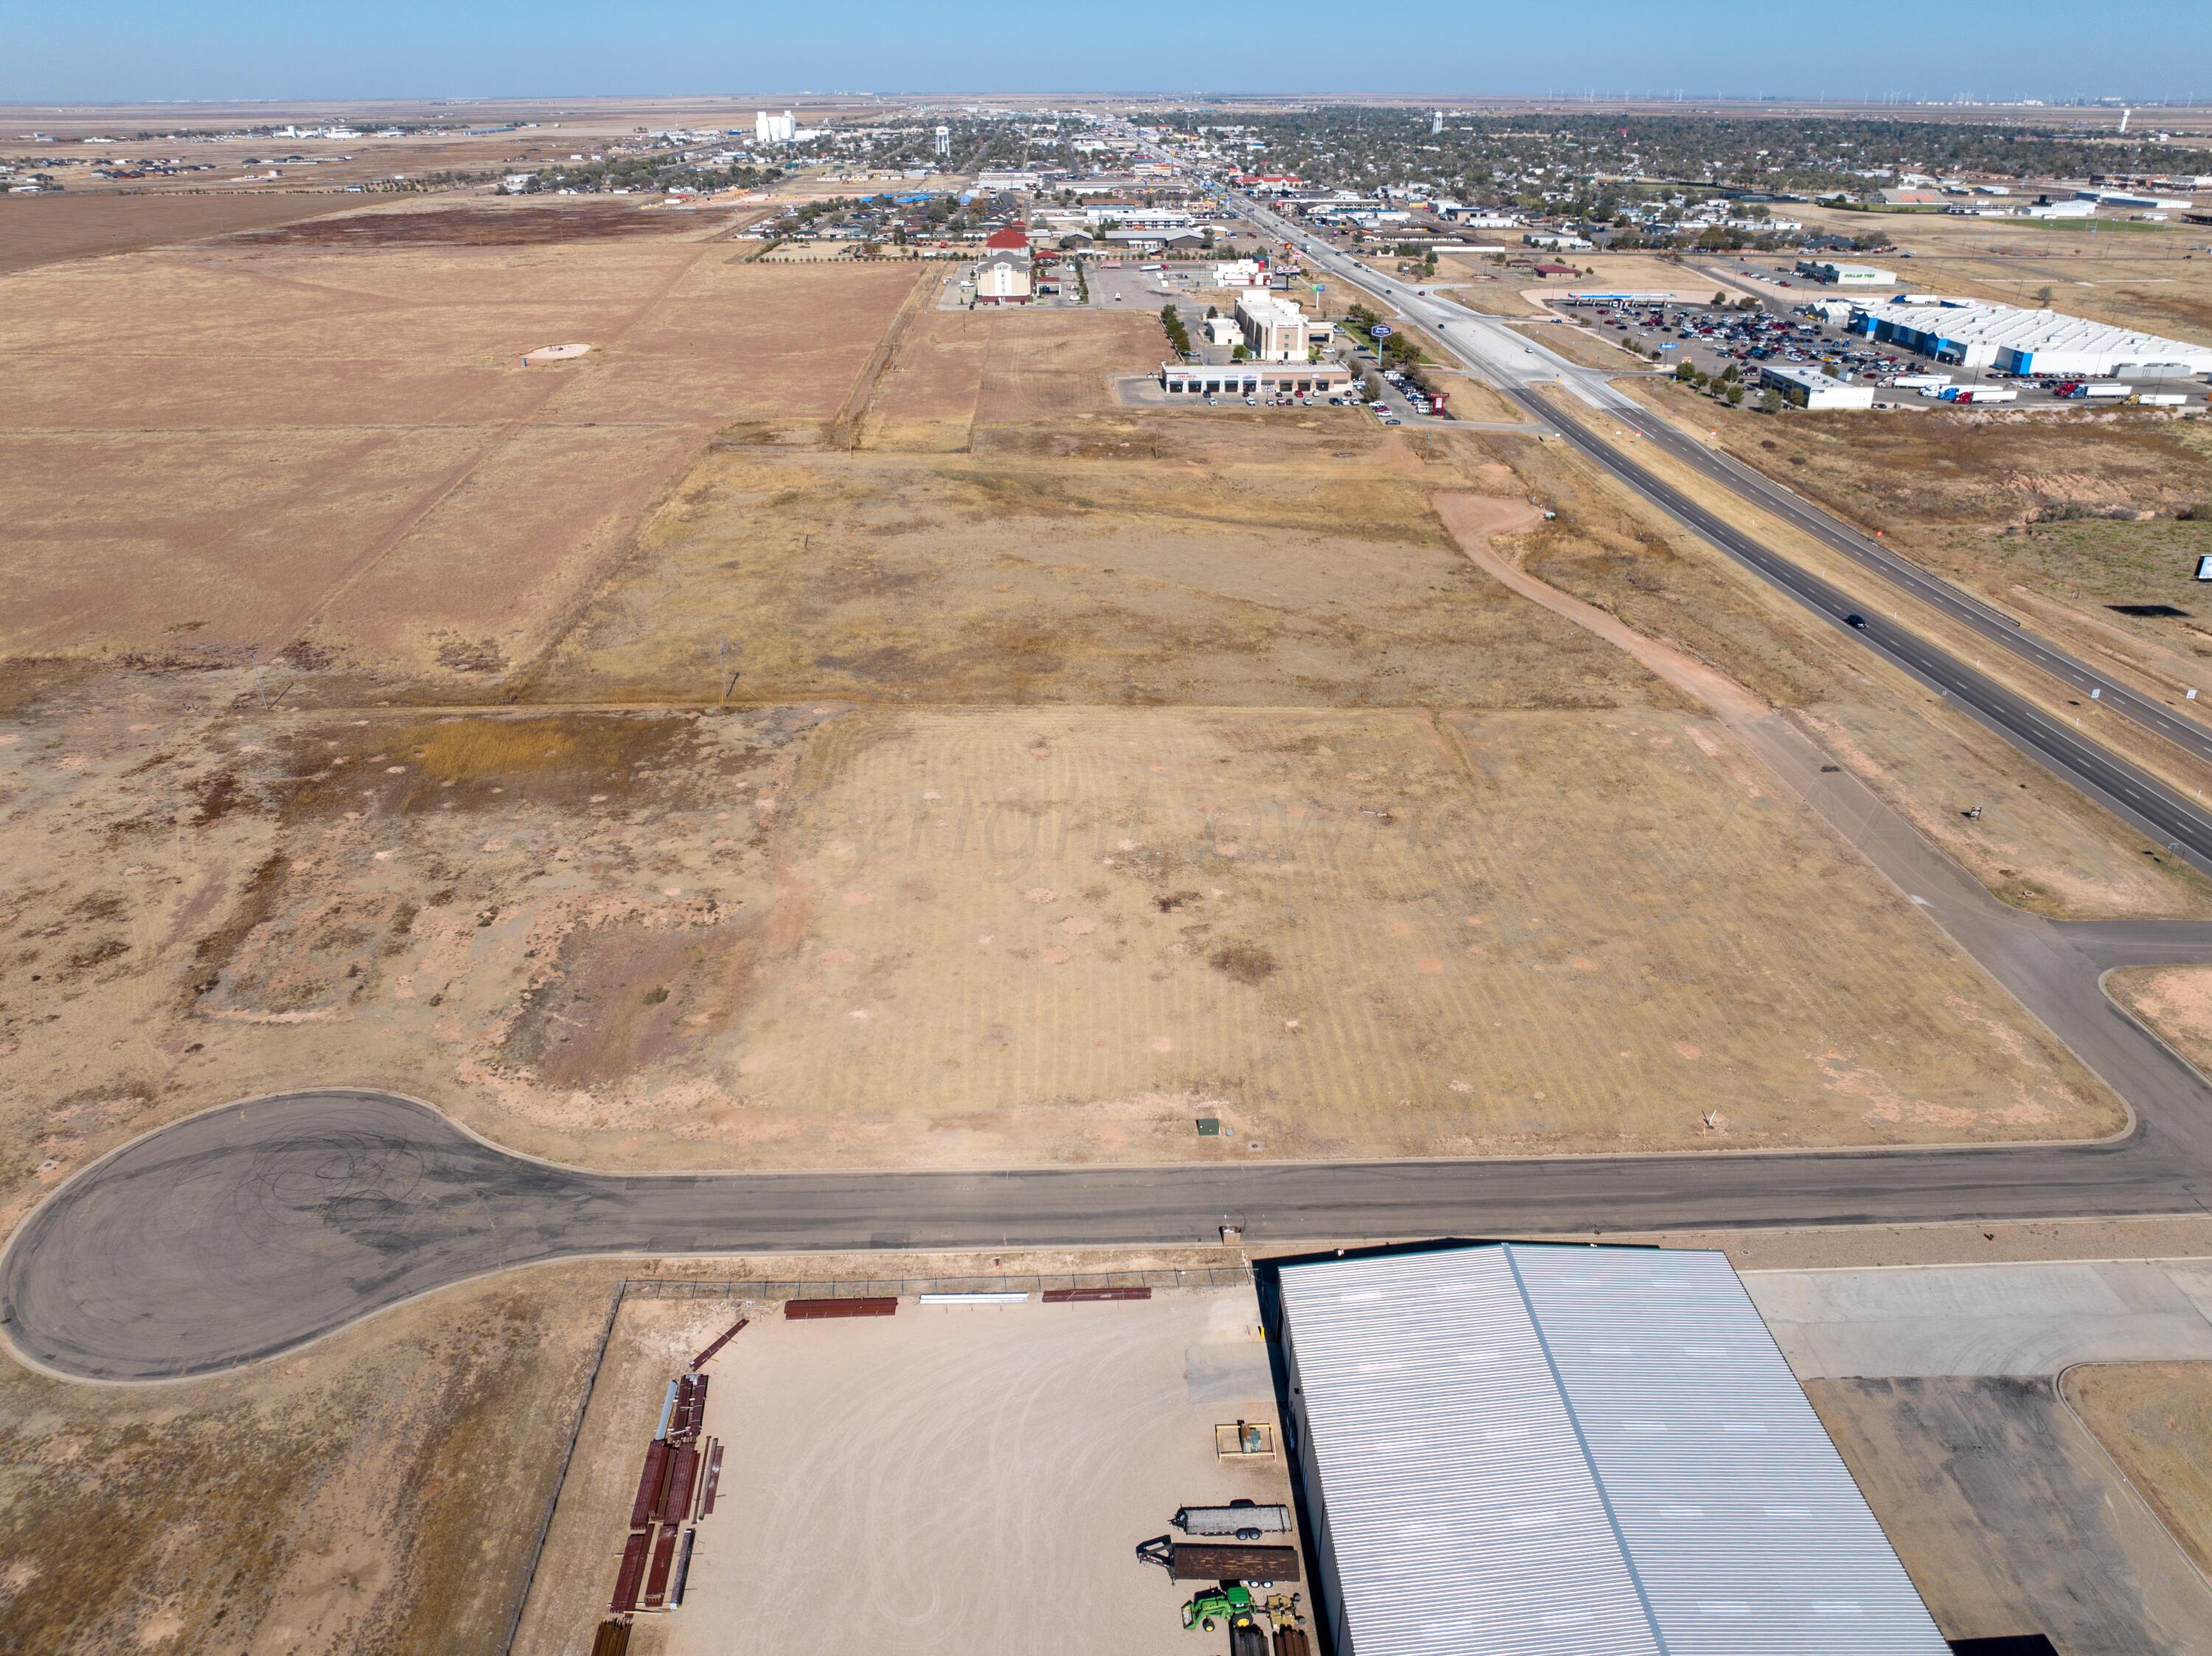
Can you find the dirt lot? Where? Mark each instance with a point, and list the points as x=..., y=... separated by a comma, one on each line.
x=1493, y=287
x=2010, y=1519
x=48, y=229
x=2156, y=1420
x=340, y=456
x=379, y=1492
x=955, y=370
x=979, y=937
x=943, y=1478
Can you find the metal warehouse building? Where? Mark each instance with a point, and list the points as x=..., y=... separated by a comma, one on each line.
x=2030, y=342
x=1809, y=388
x=1546, y=1450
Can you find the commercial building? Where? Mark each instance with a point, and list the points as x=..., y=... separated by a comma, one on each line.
x=1274, y=329
x=1832, y=275
x=1255, y=378
x=2058, y=209
x=1559, y=1450
x=2030, y=342
x=2131, y=198
x=1002, y=278
x=1126, y=216
x=1240, y=273
x=1809, y=388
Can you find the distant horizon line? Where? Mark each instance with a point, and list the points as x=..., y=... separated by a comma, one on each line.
x=1588, y=99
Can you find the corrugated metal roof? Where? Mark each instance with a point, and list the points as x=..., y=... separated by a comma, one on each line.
x=1548, y=1449
x=2010, y=328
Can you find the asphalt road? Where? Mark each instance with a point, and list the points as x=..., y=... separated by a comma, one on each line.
x=244, y=1232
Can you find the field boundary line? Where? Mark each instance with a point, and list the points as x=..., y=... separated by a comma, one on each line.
x=844, y=427
x=560, y=1478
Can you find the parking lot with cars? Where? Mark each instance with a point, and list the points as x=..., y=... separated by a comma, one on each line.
x=1713, y=338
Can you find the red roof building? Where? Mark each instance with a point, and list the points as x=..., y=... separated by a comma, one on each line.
x=1013, y=238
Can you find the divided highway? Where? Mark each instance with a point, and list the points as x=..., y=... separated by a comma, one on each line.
x=1516, y=364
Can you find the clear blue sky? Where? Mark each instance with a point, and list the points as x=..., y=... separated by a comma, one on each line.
x=227, y=49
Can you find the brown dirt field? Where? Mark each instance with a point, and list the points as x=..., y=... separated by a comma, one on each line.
x=979, y=937
x=478, y=225
x=47, y=229
x=377, y=1494
x=333, y=434
x=2156, y=1420
x=955, y=370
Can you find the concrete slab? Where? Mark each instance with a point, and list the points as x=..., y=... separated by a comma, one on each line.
x=969, y=1477
x=2011, y=1520
x=2026, y=1320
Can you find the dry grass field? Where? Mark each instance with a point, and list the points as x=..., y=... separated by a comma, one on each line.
x=2039, y=844
x=978, y=936
x=952, y=371
x=1086, y=769
x=2176, y=1001
x=377, y=1495
x=319, y=438
x=1147, y=559
x=2156, y=1420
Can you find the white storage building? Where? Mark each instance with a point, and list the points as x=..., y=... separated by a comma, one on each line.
x=1809, y=388
x=2033, y=341
x=1554, y=1450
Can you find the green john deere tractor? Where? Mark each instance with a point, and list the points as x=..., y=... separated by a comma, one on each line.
x=1224, y=1600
